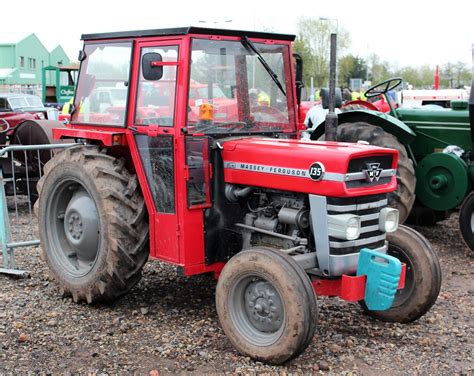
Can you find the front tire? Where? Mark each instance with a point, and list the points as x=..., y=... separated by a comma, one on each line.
x=423, y=277
x=466, y=220
x=266, y=305
x=404, y=196
x=92, y=223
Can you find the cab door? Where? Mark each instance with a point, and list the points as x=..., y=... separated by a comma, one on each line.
x=153, y=125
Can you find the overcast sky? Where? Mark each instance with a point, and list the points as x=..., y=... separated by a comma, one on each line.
x=402, y=32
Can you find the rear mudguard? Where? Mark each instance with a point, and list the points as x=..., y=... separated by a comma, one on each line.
x=387, y=122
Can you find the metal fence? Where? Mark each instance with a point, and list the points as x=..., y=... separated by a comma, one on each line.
x=21, y=166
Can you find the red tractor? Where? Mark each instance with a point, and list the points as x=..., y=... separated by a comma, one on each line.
x=224, y=187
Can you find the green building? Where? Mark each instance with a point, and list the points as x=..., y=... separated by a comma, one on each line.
x=22, y=57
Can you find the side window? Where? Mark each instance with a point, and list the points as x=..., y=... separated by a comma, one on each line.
x=102, y=90
x=156, y=98
x=4, y=104
x=157, y=154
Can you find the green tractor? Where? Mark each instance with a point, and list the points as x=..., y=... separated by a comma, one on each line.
x=436, y=165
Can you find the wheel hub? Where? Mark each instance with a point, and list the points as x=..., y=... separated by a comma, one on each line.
x=75, y=226
x=81, y=225
x=264, y=306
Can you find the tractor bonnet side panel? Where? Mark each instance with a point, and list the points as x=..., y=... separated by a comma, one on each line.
x=323, y=168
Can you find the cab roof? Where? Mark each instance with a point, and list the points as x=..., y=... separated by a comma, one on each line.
x=185, y=31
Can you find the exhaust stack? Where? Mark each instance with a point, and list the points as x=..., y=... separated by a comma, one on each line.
x=331, y=117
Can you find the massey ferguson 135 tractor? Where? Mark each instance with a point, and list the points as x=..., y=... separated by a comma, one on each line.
x=224, y=187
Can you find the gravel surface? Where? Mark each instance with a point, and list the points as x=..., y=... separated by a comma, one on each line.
x=168, y=324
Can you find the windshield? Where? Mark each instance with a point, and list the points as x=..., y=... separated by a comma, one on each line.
x=231, y=91
x=103, y=84
x=17, y=103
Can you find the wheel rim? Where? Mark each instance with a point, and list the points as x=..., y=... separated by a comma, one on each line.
x=402, y=295
x=472, y=223
x=74, y=227
x=257, y=310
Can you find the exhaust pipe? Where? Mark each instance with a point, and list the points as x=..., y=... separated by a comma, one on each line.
x=331, y=117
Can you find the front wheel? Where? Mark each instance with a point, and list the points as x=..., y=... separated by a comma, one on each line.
x=266, y=305
x=423, y=277
x=466, y=220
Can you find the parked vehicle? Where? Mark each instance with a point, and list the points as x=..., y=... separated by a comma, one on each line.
x=19, y=112
x=275, y=218
x=25, y=121
x=435, y=146
x=440, y=97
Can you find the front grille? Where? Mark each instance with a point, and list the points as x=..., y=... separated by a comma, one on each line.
x=368, y=208
x=357, y=167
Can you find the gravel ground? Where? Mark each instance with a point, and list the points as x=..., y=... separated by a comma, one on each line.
x=168, y=324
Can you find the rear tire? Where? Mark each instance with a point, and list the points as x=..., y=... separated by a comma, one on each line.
x=266, y=305
x=93, y=224
x=404, y=196
x=423, y=277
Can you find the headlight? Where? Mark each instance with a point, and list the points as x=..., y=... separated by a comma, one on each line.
x=344, y=226
x=40, y=115
x=388, y=220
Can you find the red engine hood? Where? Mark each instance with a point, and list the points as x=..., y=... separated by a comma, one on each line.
x=285, y=165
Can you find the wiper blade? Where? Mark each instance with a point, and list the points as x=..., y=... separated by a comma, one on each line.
x=249, y=46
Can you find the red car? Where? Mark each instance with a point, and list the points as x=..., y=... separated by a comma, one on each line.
x=17, y=108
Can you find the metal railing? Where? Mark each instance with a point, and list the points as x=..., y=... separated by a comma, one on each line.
x=21, y=166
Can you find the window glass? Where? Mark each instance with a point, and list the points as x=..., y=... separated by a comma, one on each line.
x=64, y=78
x=4, y=104
x=156, y=154
x=156, y=99
x=102, y=90
x=198, y=170
x=231, y=91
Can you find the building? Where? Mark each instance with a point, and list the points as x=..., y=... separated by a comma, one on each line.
x=22, y=57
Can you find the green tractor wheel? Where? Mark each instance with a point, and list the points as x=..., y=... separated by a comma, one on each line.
x=404, y=197
x=466, y=221
x=443, y=181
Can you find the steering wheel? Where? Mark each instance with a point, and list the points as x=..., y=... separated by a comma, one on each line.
x=383, y=87
x=268, y=114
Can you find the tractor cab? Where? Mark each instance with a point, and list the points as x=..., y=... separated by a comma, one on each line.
x=189, y=81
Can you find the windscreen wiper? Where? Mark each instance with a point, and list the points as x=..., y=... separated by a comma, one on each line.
x=249, y=46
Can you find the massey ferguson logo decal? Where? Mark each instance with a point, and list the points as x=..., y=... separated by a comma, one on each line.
x=277, y=170
x=316, y=171
x=373, y=172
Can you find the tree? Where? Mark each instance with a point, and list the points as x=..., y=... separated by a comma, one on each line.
x=351, y=67
x=313, y=43
x=447, y=74
x=380, y=70
x=462, y=74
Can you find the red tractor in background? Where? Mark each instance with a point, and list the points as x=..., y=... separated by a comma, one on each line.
x=233, y=192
